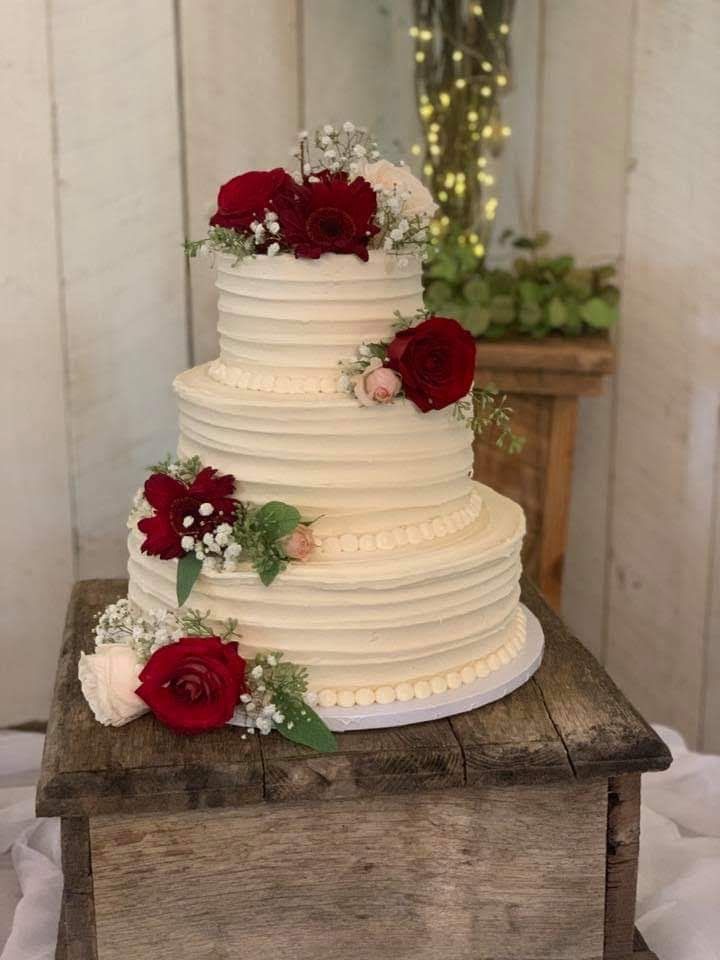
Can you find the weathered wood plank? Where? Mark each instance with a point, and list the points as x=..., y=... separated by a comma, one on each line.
x=423, y=756
x=119, y=200
x=623, y=847
x=512, y=741
x=88, y=768
x=583, y=156
x=240, y=99
x=592, y=355
x=75, y=851
x=668, y=385
x=495, y=873
x=33, y=437
x=603, y=733
x=77, y=940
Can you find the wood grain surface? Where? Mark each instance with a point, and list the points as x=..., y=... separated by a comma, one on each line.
x=570, y=720
x=509, y=874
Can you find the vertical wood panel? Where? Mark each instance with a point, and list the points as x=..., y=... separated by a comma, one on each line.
x=120, y=206
x=669, y=376
x=358, y=65
x=37, y=535
x=580, y=200
x=516, y=170
x=240, y=104
x=709, y=739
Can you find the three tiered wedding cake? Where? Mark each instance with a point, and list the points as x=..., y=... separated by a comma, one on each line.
x=322, y=502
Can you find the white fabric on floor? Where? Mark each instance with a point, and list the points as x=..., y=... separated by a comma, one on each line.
x=678, y=891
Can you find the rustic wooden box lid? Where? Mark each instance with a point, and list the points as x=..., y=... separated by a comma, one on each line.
x=569, y=722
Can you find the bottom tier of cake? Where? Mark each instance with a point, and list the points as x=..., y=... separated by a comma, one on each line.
x=377, y=628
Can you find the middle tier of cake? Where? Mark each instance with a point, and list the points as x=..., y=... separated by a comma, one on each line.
x=383, y=477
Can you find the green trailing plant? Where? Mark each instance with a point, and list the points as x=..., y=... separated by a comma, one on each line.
x=538, y=296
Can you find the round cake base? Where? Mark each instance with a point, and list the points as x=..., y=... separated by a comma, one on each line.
x=501, y=682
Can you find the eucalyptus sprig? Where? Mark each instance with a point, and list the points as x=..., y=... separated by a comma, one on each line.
x=196, y=624
x=223, y=240
x=539, y=296
x=184, y=470
x=260, y=531
x=484, y=409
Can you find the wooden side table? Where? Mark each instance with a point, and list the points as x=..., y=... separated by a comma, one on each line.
x=543, y=380
x=507, y=833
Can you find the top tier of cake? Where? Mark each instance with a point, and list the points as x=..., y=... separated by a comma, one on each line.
x=271, y=411
x=286, y=324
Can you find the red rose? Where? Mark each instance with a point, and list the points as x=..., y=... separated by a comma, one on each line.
x=193, y=685
x=207, y=501
x=330, y=215
x=247, y=197
x=436, y=361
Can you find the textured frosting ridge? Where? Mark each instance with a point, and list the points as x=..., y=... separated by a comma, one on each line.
x=374, y=620
x=286, y=324
x=362, y=470
x=413, y=588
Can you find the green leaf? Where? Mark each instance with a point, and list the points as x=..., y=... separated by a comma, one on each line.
x=530, y=314
x=502, y=308
x=598, y=314
x=477, y=290
x=476, y=319
x=268, y=568
x=557, y=313
x=303, y=725
x=188, y=570
x=278, y=519
x=437, y=294
x=561, y=265
x=529, y=291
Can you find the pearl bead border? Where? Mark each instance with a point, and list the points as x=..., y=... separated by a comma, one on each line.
x=409, y=535
x=265, y=382
x=424, y=688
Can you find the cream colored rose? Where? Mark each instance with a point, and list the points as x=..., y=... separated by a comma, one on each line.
x=109, y=679
x=376, y=384
x=385, y=175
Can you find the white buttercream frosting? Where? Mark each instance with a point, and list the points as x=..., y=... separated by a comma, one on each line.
x=285, y=325
x=413, y=587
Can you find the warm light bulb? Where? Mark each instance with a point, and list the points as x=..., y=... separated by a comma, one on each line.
x=489, y=179
x=449, y=179
x=457, y=55
x=460, y=188
x=482, y=161
x=434, y=149
x=460, y=83
x=434, y=229
x=477, y=9
x=444, y=98
x=426, y=111
x=486, y=91
x=462, y=240
x=506, y=131
x=426, y=35
x=442, y=195
x=473, y=116
x=434, y=127
x=428, y=169
x=414, y=32
x=419, y=56
x=504, y=29
x=432, y=137
x=416, y=149
x=487, y=131
x=486, y=65
x=445, y=221
x=501, y=80
x=475, y=136
x=424, y=98
x=478, y=249
x=474, y=238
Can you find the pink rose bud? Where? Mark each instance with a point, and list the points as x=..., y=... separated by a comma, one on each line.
x=377, y=384
x=382, y=385
x=300, y=544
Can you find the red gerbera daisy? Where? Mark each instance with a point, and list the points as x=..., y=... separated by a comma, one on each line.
x=183, y=510
x=330, y=214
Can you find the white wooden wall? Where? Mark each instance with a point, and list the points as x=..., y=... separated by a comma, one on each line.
x=121, y=117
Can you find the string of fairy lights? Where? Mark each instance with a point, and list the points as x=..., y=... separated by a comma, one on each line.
x=462, y=70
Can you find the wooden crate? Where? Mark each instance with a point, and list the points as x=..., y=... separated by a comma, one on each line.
x=506, y=833
x=543, y=380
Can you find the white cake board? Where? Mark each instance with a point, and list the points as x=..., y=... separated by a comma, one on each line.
x=467, y=697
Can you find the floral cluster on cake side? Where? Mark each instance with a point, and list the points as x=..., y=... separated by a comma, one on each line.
x=192, y=678
x=344, y=198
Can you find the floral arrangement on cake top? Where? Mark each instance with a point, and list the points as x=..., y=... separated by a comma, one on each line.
x=429, y=360
x=344, y=198
x=188, y=512
x=193, y=678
